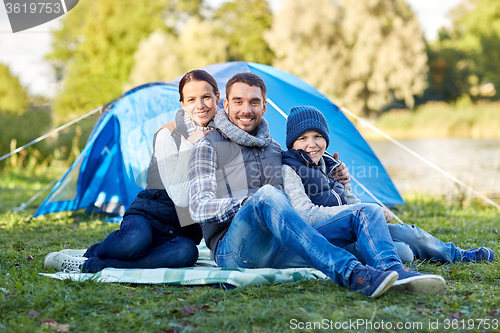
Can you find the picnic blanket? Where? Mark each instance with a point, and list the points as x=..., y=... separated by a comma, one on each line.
x=205, y=272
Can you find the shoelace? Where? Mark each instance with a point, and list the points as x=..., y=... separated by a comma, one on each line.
x=71, y=265
x=470, y=255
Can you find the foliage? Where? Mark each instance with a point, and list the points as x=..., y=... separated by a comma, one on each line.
x=13, y=96
x=447, y=80
x=233, y=32
x=19, y=129
x=164, y=56
x=94, y=50
x=467, y=55
x=27, y=300
x=441, y=120
x=243, y=23
x=363, y=54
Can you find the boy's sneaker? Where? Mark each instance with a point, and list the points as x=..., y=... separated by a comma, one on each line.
x=412, y=282
x=64, y=263
x=370, y=281
x=478, y=254
x=73, y=252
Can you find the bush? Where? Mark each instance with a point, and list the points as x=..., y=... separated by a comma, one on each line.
x=441, y=120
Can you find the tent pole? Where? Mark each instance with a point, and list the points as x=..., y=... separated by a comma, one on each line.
x=420, y=157
x=277, y=108
x=33, y=198
x=99, y=109
x=375, y=198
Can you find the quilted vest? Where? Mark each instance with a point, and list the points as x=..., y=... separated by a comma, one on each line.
x=240, y=172
x=319, y=186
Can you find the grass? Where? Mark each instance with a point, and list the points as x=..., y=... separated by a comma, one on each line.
x=440, y=120
x=32, y=303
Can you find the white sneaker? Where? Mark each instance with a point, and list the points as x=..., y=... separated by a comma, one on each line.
x=73, y=252
x=64, y=263
x=411, y=282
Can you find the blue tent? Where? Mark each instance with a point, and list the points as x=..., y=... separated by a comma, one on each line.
x=110, y=171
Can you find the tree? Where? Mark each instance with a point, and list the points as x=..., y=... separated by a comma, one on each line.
x=156, y=59
x=470, y=50
x=363, y=54
x=13, y=96
x=451, y=70
x=242, y=24
x=93, y=50
x=164, y=56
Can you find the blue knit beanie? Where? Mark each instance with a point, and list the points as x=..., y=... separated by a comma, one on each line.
x=302, y=119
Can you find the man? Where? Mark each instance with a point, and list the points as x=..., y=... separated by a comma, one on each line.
x=236, y=195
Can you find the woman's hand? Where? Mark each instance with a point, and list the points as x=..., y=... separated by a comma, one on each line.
x=198, y=134
x=341, y=173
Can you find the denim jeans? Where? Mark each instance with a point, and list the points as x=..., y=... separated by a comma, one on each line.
x=412, y=241
x=141, y=243
x=268, y=232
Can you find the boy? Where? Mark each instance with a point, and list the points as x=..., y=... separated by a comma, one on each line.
x=307, y=180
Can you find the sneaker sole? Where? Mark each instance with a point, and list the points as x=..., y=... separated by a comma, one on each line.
x=425, y=285
x=385, y=285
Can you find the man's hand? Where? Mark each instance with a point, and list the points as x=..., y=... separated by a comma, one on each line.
x=198, y=134
x=341, y=173
x=388, y=214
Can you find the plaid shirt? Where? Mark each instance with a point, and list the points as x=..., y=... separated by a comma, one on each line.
x=204, y=205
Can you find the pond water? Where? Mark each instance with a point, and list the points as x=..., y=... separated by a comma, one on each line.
x=475, y=162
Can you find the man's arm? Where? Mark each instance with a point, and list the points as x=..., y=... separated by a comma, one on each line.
x=204, y=206
x=341, y=173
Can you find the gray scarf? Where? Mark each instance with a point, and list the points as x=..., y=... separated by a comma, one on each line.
x=192, y=126
x=239, y=136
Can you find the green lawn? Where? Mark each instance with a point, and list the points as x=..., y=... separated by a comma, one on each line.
x=27, y=300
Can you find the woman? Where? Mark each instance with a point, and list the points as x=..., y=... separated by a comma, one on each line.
x=156, y=230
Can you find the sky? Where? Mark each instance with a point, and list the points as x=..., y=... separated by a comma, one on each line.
x=24, y=51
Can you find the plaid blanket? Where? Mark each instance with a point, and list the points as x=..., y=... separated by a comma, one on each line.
x=204, y=273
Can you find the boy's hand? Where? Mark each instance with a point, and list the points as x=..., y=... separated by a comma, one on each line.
x=341, y=173
x=388, y=214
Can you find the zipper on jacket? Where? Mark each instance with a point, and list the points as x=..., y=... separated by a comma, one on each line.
x=339, y=200
x=261, y=168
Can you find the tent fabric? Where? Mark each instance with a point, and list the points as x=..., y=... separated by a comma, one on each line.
x=110, y=171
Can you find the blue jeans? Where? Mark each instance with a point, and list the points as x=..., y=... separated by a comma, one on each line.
x=259, y=231
x=141, y=243
x=412, y=241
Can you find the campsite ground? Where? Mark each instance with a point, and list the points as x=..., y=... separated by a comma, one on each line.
x=470, y=302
